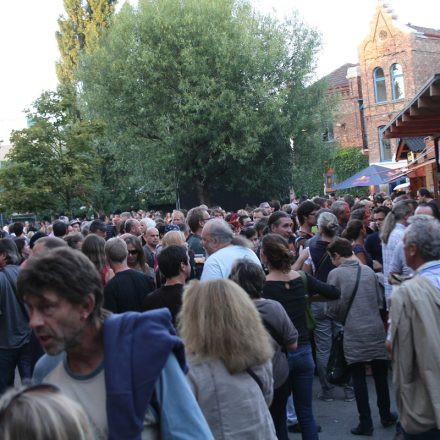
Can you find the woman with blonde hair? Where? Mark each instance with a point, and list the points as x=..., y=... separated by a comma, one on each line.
x=41, y=412
x=229, y=354
x=176, y=238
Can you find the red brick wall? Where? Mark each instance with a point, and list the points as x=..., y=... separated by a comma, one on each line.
x=389, y=43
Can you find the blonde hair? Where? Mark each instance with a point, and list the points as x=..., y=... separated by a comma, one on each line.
x=218, y=320
x=173, y=238
x=40, y=415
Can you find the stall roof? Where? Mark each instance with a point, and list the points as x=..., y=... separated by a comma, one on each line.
x=421, y=116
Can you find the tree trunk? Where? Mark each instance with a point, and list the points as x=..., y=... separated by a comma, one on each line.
x=202, y=192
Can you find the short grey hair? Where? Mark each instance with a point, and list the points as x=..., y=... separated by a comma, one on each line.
x=116, y=250
x=424, y=232
x=219, y=230
x=338, y=207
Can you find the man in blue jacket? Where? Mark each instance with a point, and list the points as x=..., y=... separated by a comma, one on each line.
x=126, y=370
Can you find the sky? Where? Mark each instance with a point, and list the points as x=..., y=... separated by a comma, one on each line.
x=28, y=49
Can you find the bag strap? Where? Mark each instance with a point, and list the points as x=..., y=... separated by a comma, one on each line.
x=304, y=279
x=273, y=333
x=358, y=277
x=256, y=378
x=322, y=259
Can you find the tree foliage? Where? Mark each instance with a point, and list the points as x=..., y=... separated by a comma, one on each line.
x=52, y=164
x=346, y=162
x=203, y=94
x=80, y=31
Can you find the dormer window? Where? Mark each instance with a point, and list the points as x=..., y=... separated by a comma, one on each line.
x=380, y=90
x=397, y=85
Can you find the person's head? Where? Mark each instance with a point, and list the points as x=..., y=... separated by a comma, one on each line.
x=258, y=213
x=135, y=253
x=341, y=210
x=244, y=220
x=22, y=247
x=266, y=208
x=280, y=223
x=63, y=292
x=41, y=412
x=196, y=219
x=400, y=213
x=321, y=202
x=252, y=235
x=133, y=226
x=8, y=252
x=423, y=195
x=306, y=213
x=388, y=203
x=174, y=261
x=421, y=241
x=218, y=320
x=59, y=228
x=379, y=215
x=427, y=209
x=93, y=249
x=249, y=276
x=177, y=217
x=76, y=225
x=355, y=229
x=74, y=240
x=349, y=199
x=173, y=238
x=275, y=205
x=339, y=250
x=146, y=223
x=98, y=227
x=116, y=250
x=16, y=228
x=47, y=243
x=35, y=237
x=152, y=237
x=362, y=214
x=378, y=199
x=216, y=234
x=275, y=252
x=327, y=224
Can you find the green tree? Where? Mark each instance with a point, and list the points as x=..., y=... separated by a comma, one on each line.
x=345, y=163
x=80, y=31
x=198, y=94
x=52, y=165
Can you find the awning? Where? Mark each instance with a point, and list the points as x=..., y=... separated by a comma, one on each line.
x=401, y=186
x=411, y=169
x=372, y=175
x=420, y=117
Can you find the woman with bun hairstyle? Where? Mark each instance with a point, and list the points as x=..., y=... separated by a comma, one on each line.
x=320, y=265
x=355, y=232
x=285, y=285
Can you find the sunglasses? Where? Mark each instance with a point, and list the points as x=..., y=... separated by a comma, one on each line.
x=135, y=252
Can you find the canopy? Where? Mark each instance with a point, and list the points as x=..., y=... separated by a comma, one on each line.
x=372, y=175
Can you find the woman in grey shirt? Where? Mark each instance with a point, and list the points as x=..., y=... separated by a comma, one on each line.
x=364, y=332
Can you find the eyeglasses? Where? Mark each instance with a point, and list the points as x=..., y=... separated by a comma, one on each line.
x=44, y=387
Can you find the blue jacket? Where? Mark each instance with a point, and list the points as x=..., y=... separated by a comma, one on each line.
x=141, y=347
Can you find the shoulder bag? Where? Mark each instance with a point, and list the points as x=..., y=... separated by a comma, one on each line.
x=337, y=368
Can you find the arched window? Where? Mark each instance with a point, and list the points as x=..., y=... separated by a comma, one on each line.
x=384, y=146
x=380, y=90
x=397, y=85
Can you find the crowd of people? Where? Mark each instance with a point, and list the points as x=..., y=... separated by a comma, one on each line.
x=208, y=324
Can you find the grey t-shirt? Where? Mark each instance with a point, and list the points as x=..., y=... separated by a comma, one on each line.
x=14, y=326
x=273, y=313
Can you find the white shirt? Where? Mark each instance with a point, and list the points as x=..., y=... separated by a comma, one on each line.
x=219, y=264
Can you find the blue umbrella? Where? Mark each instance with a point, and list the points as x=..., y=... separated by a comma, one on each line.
x=372, y=175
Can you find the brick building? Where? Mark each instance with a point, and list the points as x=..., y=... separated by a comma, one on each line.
x=395, y=61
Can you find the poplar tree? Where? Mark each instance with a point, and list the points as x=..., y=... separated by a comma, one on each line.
x=79, y=31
